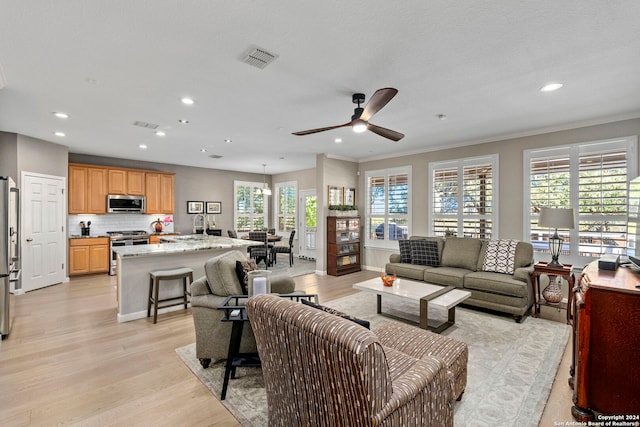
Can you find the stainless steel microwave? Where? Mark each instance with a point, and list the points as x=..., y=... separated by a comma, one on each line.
x=117, y=203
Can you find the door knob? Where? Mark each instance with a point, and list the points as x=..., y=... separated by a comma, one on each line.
x=29, y=239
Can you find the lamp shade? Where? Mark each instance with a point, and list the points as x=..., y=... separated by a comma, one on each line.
x=556, y=218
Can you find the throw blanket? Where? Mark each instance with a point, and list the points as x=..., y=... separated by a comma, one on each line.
x=500, y=256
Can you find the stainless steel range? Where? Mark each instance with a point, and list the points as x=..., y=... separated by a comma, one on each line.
x=125, y=238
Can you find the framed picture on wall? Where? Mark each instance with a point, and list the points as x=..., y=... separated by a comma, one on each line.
x=335, y=195
x=349, y=195
x=214, y=208
x=195, y=207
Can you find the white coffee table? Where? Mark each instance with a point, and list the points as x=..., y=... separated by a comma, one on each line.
x=443, y=297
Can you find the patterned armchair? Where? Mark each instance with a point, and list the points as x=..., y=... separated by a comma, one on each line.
x=209, y=292
x=323, y=370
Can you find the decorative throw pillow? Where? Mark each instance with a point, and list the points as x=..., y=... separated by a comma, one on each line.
x=405, y=251
x=242, y=270
x=335, y=312
x=500, y=256
x=424, y=252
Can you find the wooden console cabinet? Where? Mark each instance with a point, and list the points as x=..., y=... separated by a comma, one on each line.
x=605, y=372
x=343, y=245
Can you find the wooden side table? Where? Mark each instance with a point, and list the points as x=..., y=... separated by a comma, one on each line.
x=552, y=272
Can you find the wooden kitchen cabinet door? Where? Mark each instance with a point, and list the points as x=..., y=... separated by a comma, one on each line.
x=97, y=190
x=99, y=258
x=135, y=183
x=152, y=191
x=78, y=260
x=117, y=181
x=166, y=194
x=77, y=189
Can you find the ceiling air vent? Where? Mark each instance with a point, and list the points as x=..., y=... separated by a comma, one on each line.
x=145, y=125
x=215, y=156
x=259, y=57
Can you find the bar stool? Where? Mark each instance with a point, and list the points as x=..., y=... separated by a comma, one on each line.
x=155, y=278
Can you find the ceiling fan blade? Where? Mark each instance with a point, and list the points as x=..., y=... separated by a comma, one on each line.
x=387, y=133
x=378, y=100
x=310, y=131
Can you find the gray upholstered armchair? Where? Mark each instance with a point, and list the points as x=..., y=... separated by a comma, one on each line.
x=208, y=292
x=323, y=370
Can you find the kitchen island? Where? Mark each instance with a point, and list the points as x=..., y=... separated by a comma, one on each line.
x=135, y=262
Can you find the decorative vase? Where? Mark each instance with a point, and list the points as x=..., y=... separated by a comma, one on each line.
x=552, y=293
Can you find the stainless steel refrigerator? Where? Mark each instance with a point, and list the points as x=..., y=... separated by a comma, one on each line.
x=9, y=247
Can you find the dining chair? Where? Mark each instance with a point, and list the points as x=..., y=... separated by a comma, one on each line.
x=259, y=252
x=284, y=250
x=232, y=234
x=272, y=231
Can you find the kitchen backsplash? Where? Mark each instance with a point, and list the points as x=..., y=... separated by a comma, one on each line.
x=100, y=224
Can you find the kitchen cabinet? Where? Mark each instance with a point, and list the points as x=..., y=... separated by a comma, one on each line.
x=154, y=239
x=87, y=189
x=88, y=255
x=343, y=245
x=160, y=192
x=123, y=181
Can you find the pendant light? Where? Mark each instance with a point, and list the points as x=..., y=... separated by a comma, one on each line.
x=265, y=190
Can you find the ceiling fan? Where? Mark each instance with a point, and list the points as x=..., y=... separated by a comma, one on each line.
x=360, y=119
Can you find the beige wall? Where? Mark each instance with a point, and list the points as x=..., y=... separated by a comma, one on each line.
x=510, y=185
x=39, y=156
x=9, y=155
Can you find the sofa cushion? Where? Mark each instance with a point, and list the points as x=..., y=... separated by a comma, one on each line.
x=496, y=283
x=499, y=256
x=424, y=252
x=438, y=240
x=461, y=252
x=221, y=273
x=405, y=251
x=242, y=271
x=446, y=276
x=410, y=271
x=335, y=312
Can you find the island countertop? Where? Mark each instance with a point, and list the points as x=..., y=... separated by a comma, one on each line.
x=183, y=244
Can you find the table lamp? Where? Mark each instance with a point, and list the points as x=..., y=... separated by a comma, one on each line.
x=556, y=218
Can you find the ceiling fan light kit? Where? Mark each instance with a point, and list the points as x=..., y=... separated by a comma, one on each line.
x=361, y=116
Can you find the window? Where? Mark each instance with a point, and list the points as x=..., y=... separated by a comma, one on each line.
x=250, y=207
x=464, y=197
x=286, y=196
x=592, y=179
x=388, y=217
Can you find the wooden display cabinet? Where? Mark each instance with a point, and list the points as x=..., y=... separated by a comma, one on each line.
x=605, y=374
x=343, y=245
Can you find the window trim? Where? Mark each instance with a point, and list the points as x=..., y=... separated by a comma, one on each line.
x=494, y=160
x=254, y=186
x=574, y=151
x=386, y=243
x=276, y=204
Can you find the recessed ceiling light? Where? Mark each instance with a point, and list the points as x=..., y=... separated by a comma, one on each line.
x=60, y=115
x=228, y=141
x=338, y=140
x=143, y=146
x=60, y=134
x=160, y=133
x=551, y=87
x=183, y=121
x=203, y=150
x=187, y=101
x=442, y=116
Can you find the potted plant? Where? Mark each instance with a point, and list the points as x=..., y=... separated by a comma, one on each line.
x=343, y=210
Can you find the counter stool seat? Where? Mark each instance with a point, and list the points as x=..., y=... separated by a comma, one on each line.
x=155, y=278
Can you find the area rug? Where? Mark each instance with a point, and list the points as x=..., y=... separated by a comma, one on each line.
x=299, y=268
x=510, y=372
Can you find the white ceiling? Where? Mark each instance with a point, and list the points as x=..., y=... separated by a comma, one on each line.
x=481, y=63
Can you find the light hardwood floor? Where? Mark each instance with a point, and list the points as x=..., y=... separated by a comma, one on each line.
x=68, y=361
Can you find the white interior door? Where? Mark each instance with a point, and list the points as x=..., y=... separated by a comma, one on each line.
x=43, y=234
x=307, y=220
